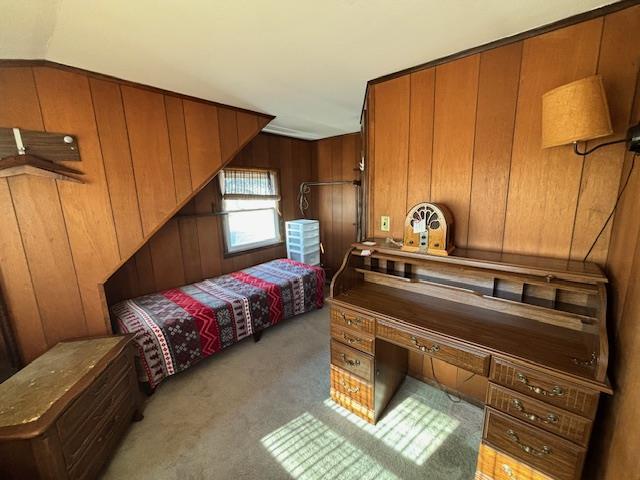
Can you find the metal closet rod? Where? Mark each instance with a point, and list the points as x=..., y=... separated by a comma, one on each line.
x=304, y=190
x=335, y=182
x=304, y=203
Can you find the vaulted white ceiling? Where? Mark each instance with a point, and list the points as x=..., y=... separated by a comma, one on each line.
x=305, y=61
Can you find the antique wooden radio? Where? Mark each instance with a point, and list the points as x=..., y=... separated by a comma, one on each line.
x=428, y=228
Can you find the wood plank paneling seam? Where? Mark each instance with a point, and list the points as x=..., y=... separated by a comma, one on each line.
x=104, y=168
x=406, y=196
x=26, y=259
x=433, y=131
x=584, y=159
x=173, y=163
x=73, y=261
x=473, y=149
x=513, y=135
x=186, y=141
x=133, y=170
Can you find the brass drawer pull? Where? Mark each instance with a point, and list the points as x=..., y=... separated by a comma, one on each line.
x=350, y=321
x=593, y=360
x=551, y=418
x=353, y=363
x=555, y=391
x=351, y=340
x=509, y=471
x=348, y=388
x=423, y=348
x=513, y=436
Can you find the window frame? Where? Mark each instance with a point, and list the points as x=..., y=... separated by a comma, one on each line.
x=278, y=219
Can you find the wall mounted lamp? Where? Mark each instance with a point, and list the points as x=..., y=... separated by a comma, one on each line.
x=578, y=112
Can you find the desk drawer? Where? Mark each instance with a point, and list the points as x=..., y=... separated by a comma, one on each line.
x=354, y=407
x=353, y=320
x=351, y=386
x=545, y=387
x=470, y=359
x=357, y=340
x=552, y=419
x=544, y=451
x=352, y=360
x=493, y=465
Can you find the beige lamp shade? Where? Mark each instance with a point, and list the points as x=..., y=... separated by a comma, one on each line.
x=577, y=111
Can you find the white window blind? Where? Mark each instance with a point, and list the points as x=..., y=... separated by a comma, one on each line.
x=248, y=184
x=250, y=200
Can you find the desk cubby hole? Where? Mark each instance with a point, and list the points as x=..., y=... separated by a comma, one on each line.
x=545, y=293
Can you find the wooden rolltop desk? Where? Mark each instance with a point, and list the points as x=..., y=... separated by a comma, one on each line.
x=535, y=327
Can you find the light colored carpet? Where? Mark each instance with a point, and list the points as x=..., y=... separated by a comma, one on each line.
x=262, y=411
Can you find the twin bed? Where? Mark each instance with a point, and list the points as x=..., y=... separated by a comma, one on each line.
x=177, y=328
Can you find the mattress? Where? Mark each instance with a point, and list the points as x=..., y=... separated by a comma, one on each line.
x=177, y=328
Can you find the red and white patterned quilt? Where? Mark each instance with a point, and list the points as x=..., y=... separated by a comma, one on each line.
x=176, y=328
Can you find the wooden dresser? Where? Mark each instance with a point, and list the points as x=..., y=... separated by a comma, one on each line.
x=63, y=415
x=534, y=327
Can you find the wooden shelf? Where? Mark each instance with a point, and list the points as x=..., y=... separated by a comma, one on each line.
x=387, y=274
x=568, y=270
x=31, y=165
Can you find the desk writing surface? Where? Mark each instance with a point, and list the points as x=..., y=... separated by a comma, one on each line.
x=544, y=344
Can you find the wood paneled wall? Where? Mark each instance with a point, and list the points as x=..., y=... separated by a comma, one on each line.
x=143, y=153
x=190, y=246
x=336, y=158
x=466, y=133
x=615, y=453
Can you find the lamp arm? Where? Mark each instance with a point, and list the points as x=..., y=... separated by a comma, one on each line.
x=591, y=150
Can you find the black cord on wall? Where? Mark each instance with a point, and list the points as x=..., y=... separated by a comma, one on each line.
x=615, y=206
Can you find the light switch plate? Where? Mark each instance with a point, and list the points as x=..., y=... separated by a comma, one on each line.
x=385, y=223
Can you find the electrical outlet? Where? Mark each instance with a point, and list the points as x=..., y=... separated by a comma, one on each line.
x=385, y=223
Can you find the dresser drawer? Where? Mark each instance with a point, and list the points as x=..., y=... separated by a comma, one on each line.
x=358, y=340
x=86, y=404
x=107, y=435
x=550, y=418
x=353, y=320
x=551, y=454
x=352, y=360
x=75, y=443
x=351, y=386
x=545, y=387
x=493, y=465
x=470, y=359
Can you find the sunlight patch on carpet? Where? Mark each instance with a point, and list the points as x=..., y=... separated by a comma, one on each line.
x=412, y=428
x=309, y=450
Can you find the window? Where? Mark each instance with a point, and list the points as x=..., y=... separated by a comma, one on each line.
x=250, y=201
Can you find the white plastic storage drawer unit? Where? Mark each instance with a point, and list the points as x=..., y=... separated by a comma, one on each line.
x=303, y=241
